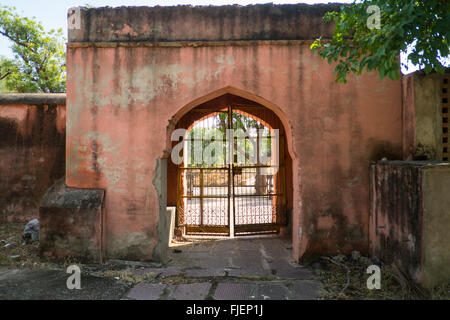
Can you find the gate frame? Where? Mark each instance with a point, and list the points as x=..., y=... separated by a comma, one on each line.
x=232, y=229
x=300, y=240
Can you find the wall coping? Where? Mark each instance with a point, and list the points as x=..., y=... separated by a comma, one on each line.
x=433, y=73
x=414, y=163
x=33, y=98
x=195, y=44
x=200, y=23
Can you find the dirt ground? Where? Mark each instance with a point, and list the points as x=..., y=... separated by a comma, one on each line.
x=23, y=276
x=344, y=278
x=36, y=284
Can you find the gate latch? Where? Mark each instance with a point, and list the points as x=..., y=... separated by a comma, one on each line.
x=237, y=170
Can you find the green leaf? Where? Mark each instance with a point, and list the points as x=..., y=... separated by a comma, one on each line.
x=39, y=60
x=423, y=25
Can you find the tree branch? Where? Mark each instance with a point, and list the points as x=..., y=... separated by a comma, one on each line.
x=16, y=41
x=5, y=75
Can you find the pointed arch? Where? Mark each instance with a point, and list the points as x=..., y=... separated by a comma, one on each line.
x=300, y=240
x=239, y=93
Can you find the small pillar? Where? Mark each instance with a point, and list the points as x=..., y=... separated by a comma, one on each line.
x=71, y=223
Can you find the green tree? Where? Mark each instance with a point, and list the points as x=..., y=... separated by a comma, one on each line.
x=39, y=57
x=423, y=27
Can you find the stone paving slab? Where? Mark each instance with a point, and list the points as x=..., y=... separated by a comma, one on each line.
x=222, y=246
x=190, y=291
x=267, y=290
x=199, y=255
x=219, y=263
x=276, y=249
x=259, y=268
x=234, y=291
x=294, y=273
x=161, y=272
x=249, y=272
x=284, y=270
x=248, y=245
x=146, y=291
x=273, y=292
x=249, y=261
x=210, y=272
x=256, y=290
x=305, y=290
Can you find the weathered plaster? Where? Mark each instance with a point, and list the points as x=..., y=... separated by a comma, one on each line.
x=127, y=92
x=422, y=104
x=164, y=222
x=409, y=218
x=32, y=151
x=436, y=238
x=325, y=118
x=202, y=23
x=71, y=223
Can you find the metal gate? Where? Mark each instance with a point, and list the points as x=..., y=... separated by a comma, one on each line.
x=240, y=192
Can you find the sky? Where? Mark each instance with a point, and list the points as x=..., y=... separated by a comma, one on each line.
x=52, y=13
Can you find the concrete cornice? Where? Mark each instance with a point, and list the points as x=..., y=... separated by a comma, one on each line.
x=180, y=44
x=200, y=23
x=33, y=98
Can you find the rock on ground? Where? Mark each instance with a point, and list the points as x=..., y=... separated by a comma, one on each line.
x=31, y=231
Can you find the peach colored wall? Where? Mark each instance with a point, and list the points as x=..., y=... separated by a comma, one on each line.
x=32, y=144
x=121, y=100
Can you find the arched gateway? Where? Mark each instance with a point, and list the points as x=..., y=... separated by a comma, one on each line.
x=230, y=166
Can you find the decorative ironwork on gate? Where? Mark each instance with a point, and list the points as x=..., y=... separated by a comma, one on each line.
x=242, y=191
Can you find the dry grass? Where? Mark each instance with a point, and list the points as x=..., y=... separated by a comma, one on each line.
x=126, y=275
x=394, y=285
x=17, y=255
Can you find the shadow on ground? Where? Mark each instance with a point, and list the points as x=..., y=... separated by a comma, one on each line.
x=232, y=269
x=35, y=284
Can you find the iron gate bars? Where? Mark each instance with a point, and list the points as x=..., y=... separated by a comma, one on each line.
x=258, y=200
x=204, y=200
x=231, y=196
